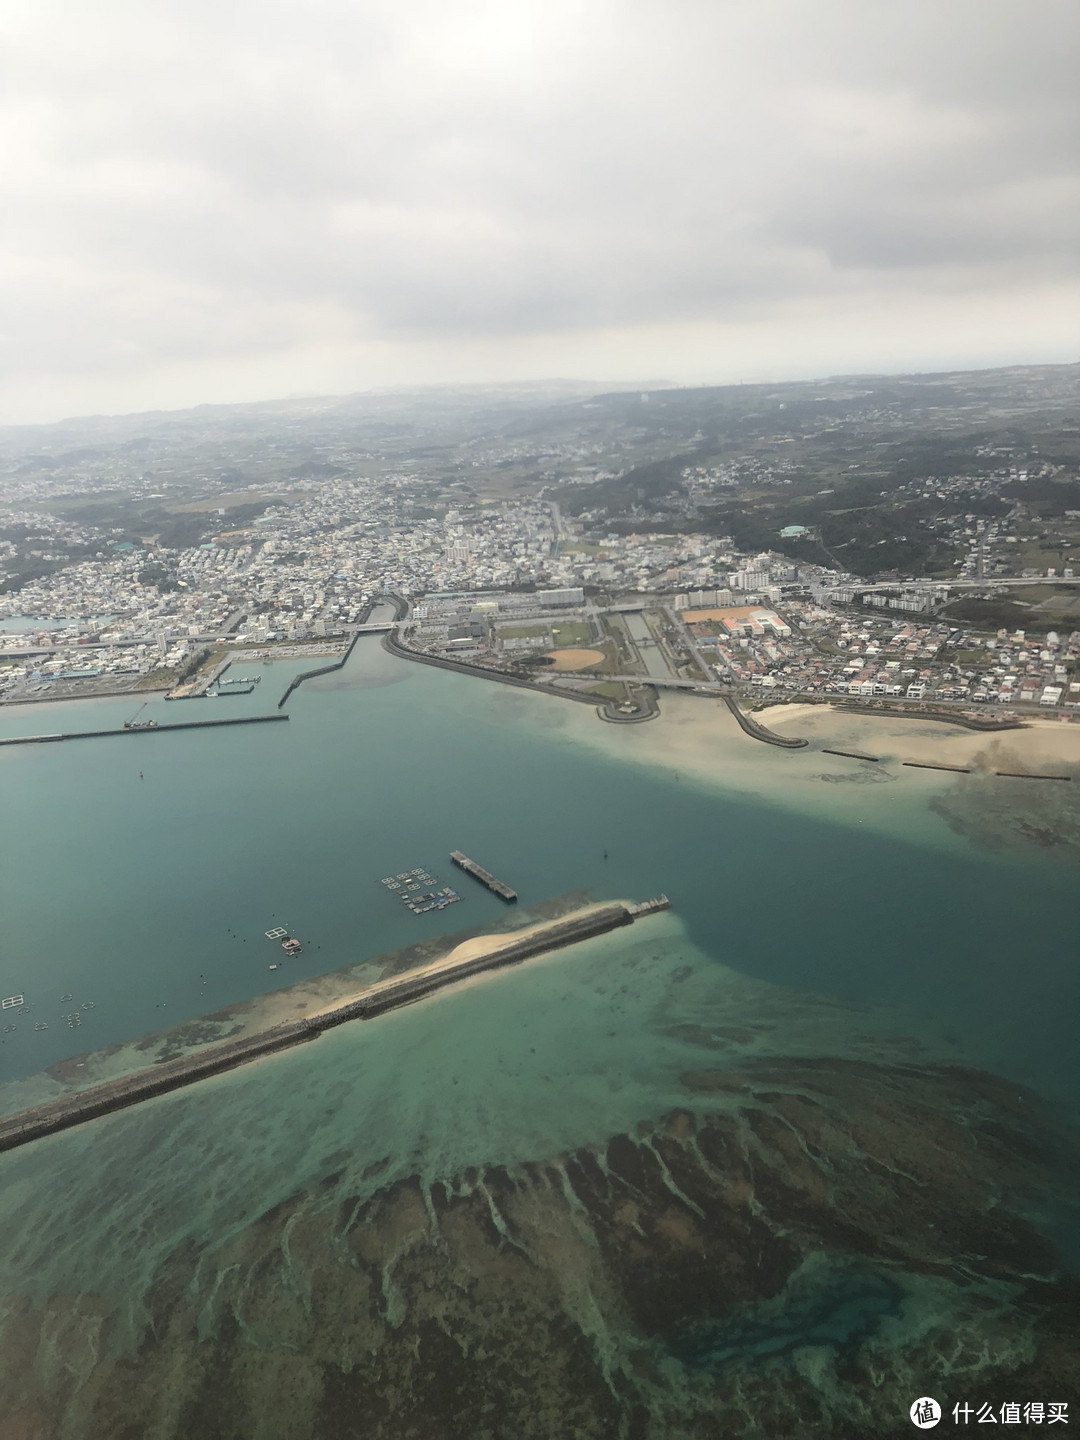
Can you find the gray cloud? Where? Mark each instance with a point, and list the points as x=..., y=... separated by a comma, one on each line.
x=199, y=185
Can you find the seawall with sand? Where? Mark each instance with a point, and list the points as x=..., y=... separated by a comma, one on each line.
x=473, y=957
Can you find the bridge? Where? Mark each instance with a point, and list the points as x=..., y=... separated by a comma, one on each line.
x=667, y=683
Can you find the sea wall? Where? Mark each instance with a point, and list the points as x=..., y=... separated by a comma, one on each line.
x=647, y=707
x=67, y=1111
x=759, y=731
x=141, y=729
x=298, y=680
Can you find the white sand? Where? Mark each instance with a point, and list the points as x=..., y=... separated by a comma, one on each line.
x=698, y=740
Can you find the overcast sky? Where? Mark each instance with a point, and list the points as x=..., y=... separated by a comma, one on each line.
x=214, y=200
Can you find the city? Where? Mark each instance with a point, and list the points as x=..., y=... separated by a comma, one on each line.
x=527, y=576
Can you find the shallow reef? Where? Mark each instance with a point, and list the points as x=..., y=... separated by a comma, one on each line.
x=802, y=1248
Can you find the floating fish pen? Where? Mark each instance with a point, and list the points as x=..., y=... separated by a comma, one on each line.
x=484, y=876
x=416, y=891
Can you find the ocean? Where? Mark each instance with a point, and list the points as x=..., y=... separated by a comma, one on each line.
x=289, y=1249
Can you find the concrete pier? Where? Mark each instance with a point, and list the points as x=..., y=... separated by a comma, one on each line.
x=484, y=876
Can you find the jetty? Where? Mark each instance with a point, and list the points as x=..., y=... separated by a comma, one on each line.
x=1027, y=775
x=926, y=765
x=146, y=728
x=761, y=732
x=484, y=876
x=66, y=1111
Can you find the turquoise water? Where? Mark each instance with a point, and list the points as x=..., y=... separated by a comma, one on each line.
x=149, y=896
x=268, y=1252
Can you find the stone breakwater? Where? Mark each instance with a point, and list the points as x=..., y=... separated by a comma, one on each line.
x=759, y=731
x=69, y=1110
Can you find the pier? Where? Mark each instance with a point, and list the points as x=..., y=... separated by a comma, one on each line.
x=66, y=1111
x=146, y=729
x=484, y=876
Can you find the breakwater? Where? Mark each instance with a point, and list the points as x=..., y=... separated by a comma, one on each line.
x=853, y=755
x=760, y=732
x=298, y=680
x=926, y=765
x=154, y=729
x=1027, y=775
x=405, y=989
x=66, y=1111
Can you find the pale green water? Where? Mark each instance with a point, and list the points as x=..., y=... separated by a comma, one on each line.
x=558, y=1053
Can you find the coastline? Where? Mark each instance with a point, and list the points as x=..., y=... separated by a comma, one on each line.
x=1040, y=741
x=700, y=741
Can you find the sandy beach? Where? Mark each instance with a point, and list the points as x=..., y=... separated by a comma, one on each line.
x=470, y=949
x=1042, y=743
x=696, y=739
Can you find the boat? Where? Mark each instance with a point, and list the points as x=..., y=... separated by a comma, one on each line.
x=291, y=946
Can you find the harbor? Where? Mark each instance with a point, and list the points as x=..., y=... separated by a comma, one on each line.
x=485, y=877
x=66, y=1111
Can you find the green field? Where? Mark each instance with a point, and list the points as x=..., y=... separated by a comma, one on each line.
x=525, y=632
x=570, y=633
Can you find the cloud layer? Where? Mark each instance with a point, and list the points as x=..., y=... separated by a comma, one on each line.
x=214, y=201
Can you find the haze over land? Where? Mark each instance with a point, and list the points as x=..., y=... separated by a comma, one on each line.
x=227, y=202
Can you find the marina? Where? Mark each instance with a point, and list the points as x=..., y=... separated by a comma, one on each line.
x=484, y=876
